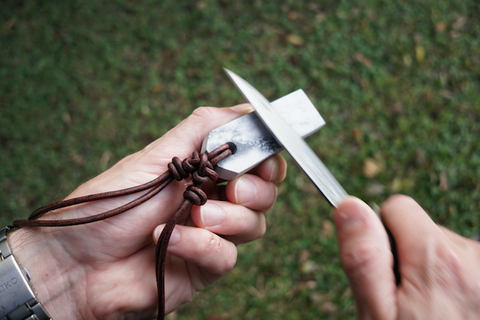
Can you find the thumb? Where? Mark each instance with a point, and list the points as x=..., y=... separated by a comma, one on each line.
x=366, y=259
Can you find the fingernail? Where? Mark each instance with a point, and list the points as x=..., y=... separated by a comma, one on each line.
x=245, y=190
x=352, y=215
x=243, y=108
x=348, y=222
x=275, y=168
x=211, y=214
x=174, y=237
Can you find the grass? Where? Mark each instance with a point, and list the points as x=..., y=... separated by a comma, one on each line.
x=84, y=84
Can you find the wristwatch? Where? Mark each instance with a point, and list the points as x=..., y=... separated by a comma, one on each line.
x=17, y=299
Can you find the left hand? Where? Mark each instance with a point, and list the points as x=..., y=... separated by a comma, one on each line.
x=106, y=270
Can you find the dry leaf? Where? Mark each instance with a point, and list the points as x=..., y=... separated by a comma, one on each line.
x=375, y=188
x=105, y=159
x=327, y=229
x=329, y=64
x=357, y=133
x=440, y=27
x=407, y=60
x=308, y=267
x=396, y=185
x=202, y=4
x=294, y=39
x=157, y=88
x=319, y=297
x=371, y=168
x=329, y=308
x=421, y=157
x=293, y=15
x=419, y=53
x=459, y=23
x=362, y=59
x=67, y=119
x=311, y=284
x=443, y=181
x=304, y=255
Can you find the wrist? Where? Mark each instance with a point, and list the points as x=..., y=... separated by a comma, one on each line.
x=52, y=275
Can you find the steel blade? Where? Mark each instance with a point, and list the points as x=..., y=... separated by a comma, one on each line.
x=292, y=142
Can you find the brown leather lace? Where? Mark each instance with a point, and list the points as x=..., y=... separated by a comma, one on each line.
x=200, y=166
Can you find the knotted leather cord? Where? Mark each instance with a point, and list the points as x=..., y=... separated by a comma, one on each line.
x=200, y=166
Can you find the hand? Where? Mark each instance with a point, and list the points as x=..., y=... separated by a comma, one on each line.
x=438, y=268
x=106, y=270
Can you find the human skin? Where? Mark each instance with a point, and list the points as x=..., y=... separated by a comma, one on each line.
x=439, y=269
x=106, y=270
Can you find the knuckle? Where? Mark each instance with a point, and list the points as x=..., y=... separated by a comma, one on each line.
x=204, y=113
x=224, y=254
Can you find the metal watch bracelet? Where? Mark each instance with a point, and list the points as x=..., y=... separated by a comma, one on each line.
x=17, y=299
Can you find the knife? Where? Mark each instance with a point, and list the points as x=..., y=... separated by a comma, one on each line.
x=299, y=150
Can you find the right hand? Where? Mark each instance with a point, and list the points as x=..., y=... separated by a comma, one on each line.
x=440, y=270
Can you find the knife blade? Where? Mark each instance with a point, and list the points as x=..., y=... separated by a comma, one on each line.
x=298, y=149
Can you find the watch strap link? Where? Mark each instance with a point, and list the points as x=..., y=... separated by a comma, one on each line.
x=17, y=299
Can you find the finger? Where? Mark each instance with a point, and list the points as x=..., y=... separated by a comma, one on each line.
x=366, y=259
x=273, y=169
x=188, y=135
x=413, y=230
x=203, y=248
x=238, y=223
x=252, y=191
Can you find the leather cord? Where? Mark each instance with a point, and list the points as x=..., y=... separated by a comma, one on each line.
x=200, y=166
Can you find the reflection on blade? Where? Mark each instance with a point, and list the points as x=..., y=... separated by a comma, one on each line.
x=292, y=142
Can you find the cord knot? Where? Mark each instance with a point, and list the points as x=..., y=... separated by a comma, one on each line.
x=201, y=167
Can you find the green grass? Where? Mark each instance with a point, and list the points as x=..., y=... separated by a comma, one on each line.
x=83, y=84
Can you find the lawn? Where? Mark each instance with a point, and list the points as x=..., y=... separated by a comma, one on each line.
x=85, y=83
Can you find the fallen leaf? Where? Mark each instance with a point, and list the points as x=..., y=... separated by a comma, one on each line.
x=375, y=189
x=371, y=168
x=311, y=284
x=145, y=110
x=67, y=119
x=9, y=24
x=327, y=229
x=304, y=255
x=398, y=108
x=308, y=267
x=292, y=15
x=320, y=16
x=329, y=308
x=105, y=159
x=294, y=39
x=419, y=53
x=319, y=297
x=407, y=60
x=396, y=185
x=157, y=88
x=362, y=59
x=420, y=157
x=346, y=294
x=443, y=181
x=459, y=22
x=202, y=4
x=329, y=64
x=78, y=159
x=440, y=27
x=357, y=133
